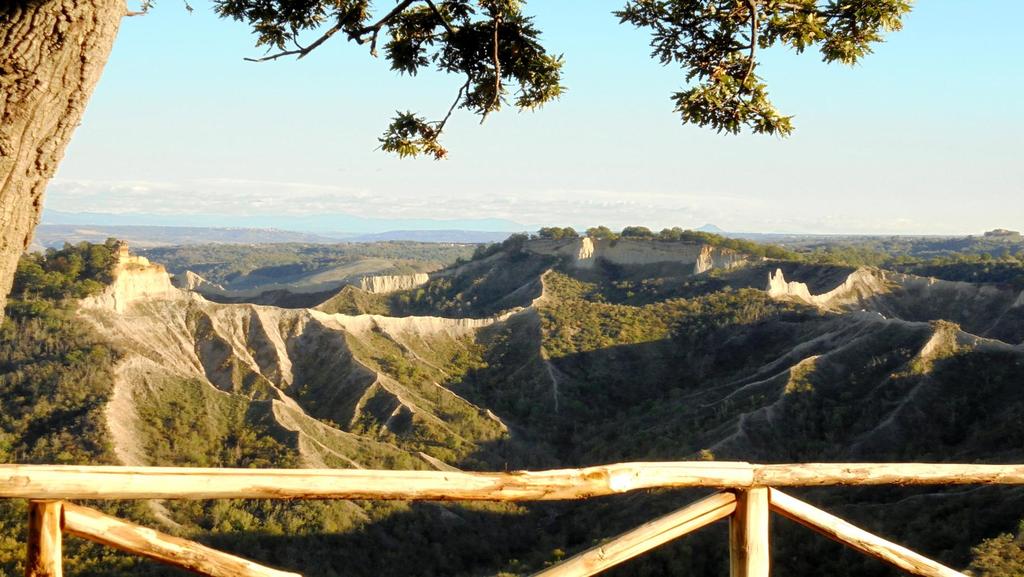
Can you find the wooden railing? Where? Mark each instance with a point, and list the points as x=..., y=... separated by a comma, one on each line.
x=749, y=493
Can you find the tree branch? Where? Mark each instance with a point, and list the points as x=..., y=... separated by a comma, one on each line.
x=357, y=35
x=148, y=4
x=753, y=44
x=301, y=51
x=752, y=58
x=462, y=90
x=374, y=29
x=444, y=21
x=497, y=71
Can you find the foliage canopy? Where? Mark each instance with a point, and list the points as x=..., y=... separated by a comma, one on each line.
x=496, y=50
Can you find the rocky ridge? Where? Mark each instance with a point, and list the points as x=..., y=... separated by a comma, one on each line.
x=385, y=284
x=865, y=365
x=586, y=252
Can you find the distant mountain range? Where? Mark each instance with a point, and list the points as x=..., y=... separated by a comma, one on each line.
x=55, y=235
x=711, y=228
x=459, y=236
x=331, y=225
x=148, y=230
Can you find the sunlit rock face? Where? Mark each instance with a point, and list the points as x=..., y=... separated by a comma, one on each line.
x=191, y=281
x=586, y=252
x=384, y=284
x=135, y=279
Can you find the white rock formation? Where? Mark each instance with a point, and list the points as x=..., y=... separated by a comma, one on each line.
x=712, y=257
x=360, y=324
x=779, y=288
x=191, y=281
x=384, y=284
x=861, y=284
x=135, y=279
x=585, y=252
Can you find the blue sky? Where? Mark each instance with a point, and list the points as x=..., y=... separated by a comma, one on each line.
x=924, y=136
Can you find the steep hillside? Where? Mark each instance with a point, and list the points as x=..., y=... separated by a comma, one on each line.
x=508, y=276
x=540, y=354
x=991, y=310
x=337, y=390
x=244, y=271
x=739, y=375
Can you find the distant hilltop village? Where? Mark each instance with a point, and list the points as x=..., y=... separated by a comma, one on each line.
x=1003, y=234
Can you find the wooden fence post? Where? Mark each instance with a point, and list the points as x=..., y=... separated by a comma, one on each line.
x=44, y=539
x=749, y=552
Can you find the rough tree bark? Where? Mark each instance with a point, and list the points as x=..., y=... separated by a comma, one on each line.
x=51, y=55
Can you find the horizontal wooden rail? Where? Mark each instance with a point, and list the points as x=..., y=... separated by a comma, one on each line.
x=113, y=532
x=74, y=482
x=818, y=474
x=848, y=534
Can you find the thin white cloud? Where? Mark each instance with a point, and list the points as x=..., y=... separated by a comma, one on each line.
x=615, y=208
x=254, y=197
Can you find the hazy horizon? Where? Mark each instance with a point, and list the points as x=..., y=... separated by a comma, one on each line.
x=321, y=225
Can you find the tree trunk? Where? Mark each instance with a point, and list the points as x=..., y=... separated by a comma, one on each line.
x=51, y=55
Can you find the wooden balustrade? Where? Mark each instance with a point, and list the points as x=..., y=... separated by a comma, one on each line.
x=78, y=482
x=750, y=494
